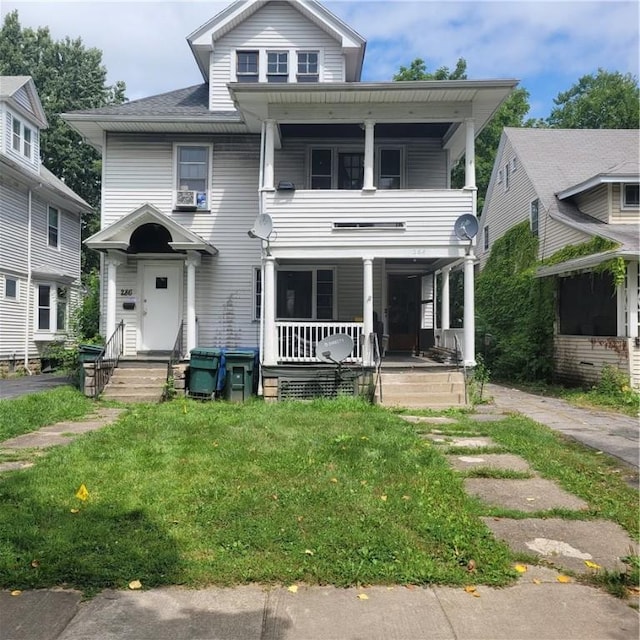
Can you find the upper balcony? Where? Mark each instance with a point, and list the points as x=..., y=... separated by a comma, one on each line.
x=415, y=223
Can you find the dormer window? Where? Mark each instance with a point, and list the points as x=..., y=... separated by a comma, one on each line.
x=21, y=138
x=247, y=66
x=277, y=66
x=308, y=66
x=630, y=196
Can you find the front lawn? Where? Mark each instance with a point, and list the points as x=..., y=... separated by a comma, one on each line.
x=188, y=493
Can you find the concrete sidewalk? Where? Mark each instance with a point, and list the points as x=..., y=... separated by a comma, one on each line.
x=538, y=607
x=612, y=433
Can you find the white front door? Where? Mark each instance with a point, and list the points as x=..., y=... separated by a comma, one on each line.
x=162, y=306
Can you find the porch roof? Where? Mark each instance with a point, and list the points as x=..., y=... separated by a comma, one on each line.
x=117, y=236
x=584, y=263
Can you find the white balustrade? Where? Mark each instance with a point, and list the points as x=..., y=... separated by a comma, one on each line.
x=297, y=340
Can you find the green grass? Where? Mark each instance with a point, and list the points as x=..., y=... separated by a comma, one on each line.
x=187, y=493
x=30, y=412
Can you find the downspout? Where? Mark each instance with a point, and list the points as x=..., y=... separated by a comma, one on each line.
x=28, y=311
x=260, y=210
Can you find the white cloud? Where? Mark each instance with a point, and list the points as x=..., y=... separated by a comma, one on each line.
x=546, y=44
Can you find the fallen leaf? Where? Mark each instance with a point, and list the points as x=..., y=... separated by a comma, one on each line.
x=17, y=592
x=82, y=493
x=521, y=568
x=274, y=497
x=536, y=581
x=35, y=564
x=363, y=482
x=300, y=518
x=470, y=589
x=75, y=510
x=563, y=578
x=530, y=499
x=592, y=565
x=411, y=587
x=293, y=588
x=334, y=479
x=406, y=498
x=308, y=552
x=471, y=566
x=363, y=596
x=383, y=498
x=135, y=584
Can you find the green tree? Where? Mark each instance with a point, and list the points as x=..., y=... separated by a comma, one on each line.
x=605, y=100
x=68, y=77
x=417, y=70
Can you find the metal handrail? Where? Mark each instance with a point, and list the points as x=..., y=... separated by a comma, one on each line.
x=177, y=352
x=108, y=359
x=460, y=356
x=378, y=363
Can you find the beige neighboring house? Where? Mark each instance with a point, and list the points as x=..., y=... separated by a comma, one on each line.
x=573, y=185
x=39, y=234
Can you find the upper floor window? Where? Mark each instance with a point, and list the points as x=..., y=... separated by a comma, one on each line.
x=321, y=168
x=350, y=170
x=535, y=207
x=630, y=196
x=21, y=138
x=10, y=288
x=192, y=175
x=277, y=66
x=308, y=70
x=53, y=227
x=247, y=67
x=17, y=134
x=390, y=169
x=507, y=172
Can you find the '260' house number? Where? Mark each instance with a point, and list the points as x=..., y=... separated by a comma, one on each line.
x=126, y=292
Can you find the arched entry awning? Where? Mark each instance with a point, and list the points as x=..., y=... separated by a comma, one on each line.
x=148, y=230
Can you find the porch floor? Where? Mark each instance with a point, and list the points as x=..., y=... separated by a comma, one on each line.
x=398, y=360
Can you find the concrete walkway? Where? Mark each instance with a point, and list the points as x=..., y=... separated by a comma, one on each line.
x=537, y=607
x=612, y=433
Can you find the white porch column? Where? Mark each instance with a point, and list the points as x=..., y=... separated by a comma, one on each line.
x=444, y=316
x=469, y=354
x=112, y=261
x=269, y=154
x=470, y=154
x=632, y=299
x=367, y=312
x=192, y=261
x=368, y=156
x=270, y=354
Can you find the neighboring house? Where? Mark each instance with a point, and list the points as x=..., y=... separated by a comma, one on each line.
x=573, y=185
x=39, y=234
x=351, y=180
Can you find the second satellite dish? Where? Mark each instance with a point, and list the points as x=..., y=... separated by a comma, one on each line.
x=466, y=227
x=334, y=348
x=262, y=227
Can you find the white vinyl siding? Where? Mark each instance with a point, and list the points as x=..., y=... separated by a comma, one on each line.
x=12, y=321
x=274, y=27
x=619, y=213
x=21, y=139
x=595, y=202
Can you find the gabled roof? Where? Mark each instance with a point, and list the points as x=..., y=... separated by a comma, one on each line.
x=9, y=89
x=118, y=235
x=202, y=40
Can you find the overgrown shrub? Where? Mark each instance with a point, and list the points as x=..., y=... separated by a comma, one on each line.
x=614, y=385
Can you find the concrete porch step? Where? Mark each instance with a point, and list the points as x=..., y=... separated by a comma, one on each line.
x=423, y=389
x=137, y=382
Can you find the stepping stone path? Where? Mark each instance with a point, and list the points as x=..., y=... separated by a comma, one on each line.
x=61, y=433
x=569, y=545
x=429, y=419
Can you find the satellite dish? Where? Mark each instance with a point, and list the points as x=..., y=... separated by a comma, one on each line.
x=262, y=227
x=334, y=348
x=466, y=227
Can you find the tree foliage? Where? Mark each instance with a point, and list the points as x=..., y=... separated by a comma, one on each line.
x=68, y=77
x=605, y=100
x=515, y=309
x=417, y=70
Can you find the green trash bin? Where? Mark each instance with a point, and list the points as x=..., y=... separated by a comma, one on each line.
x=240, y=365
x=203, y=372
x=87, y=353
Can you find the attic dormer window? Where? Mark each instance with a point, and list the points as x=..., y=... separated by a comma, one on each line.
x=247, y=66
x=21, y=138
x=277, y=66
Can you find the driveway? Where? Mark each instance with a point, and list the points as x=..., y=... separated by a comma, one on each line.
x=15, y=387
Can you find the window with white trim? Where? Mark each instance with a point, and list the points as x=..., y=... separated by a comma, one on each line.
x=305, y=294
x=16, y=137
x=534, y=217
x=62, y=306
x=11, y=291
x=321, y=168
x=630, y=196
x=192, y=172
x=257, y=293
x=485, y=237
x=44, y=308
x=53, y=227
x=277, y=66
x=247, y=66
x=308, y=66
x=22, y=138
x=389, y=169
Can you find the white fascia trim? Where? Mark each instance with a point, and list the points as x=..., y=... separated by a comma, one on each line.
x=584, y=263
x=595, y=181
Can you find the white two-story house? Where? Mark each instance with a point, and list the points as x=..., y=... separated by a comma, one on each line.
x=283, y=200
x=39, y=234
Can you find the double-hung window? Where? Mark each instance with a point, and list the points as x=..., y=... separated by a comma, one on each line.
x=277, y=66
x=305, y=294
x=16, y=137
x=61, y=308
x=247, y=67
x=535, y=211
x=630, y=196
x=44, y=307
x=21, y=138
x=390, y=169
x=350, y=170
x=192, y=174
x=257, y=293
x=53, y=227
x=308, y=68
x=321, y=168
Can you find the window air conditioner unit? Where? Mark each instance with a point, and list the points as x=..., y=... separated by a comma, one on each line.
x=186, y=199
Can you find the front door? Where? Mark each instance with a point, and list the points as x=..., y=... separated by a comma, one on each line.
x=162, y=306
x=404, y=318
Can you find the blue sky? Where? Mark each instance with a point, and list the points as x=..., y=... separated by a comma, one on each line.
x=547, y=44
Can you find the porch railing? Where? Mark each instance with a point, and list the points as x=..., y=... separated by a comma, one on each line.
x=297, y=340
x=107, y=359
